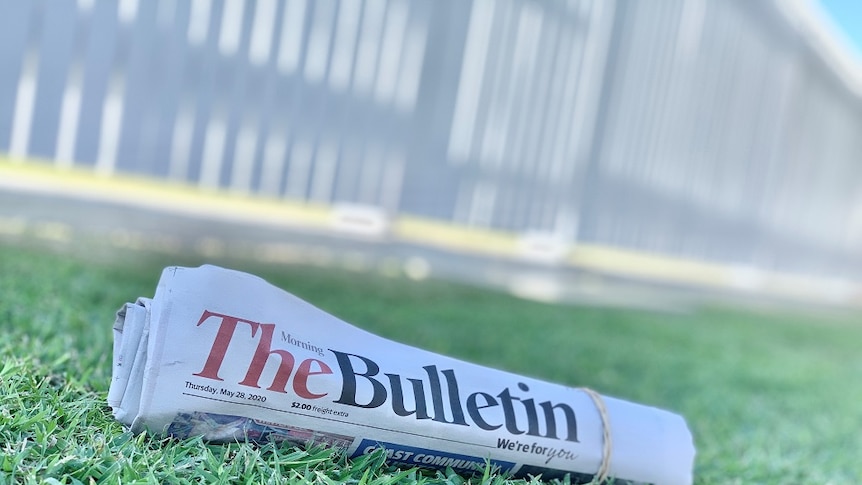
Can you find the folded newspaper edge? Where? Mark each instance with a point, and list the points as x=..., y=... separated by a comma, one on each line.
x=225, y=355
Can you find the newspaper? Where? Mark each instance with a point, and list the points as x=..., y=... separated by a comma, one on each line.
x=225, y=355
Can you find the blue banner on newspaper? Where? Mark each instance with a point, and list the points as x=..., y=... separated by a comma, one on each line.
x=412, y=456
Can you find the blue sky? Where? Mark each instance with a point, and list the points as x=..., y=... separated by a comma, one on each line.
x=848, y=15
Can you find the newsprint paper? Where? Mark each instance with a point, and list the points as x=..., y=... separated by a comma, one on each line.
x=225, y=355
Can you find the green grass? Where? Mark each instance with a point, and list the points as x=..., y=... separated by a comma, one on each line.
x=770, y=398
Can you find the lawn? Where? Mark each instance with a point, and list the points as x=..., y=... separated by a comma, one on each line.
x=770, y=397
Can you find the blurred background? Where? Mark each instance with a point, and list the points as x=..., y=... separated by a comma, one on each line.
x=599, y=150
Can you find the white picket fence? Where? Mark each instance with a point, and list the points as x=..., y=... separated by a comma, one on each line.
x=724, y=131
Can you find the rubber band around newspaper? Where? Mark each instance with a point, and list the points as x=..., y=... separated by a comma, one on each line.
x=607, y=444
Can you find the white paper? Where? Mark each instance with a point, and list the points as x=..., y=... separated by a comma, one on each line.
x=227, y=356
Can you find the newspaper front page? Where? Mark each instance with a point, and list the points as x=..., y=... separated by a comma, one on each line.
x=225, y=355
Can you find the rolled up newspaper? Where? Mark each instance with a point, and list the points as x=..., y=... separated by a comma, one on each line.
x=225, y=355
